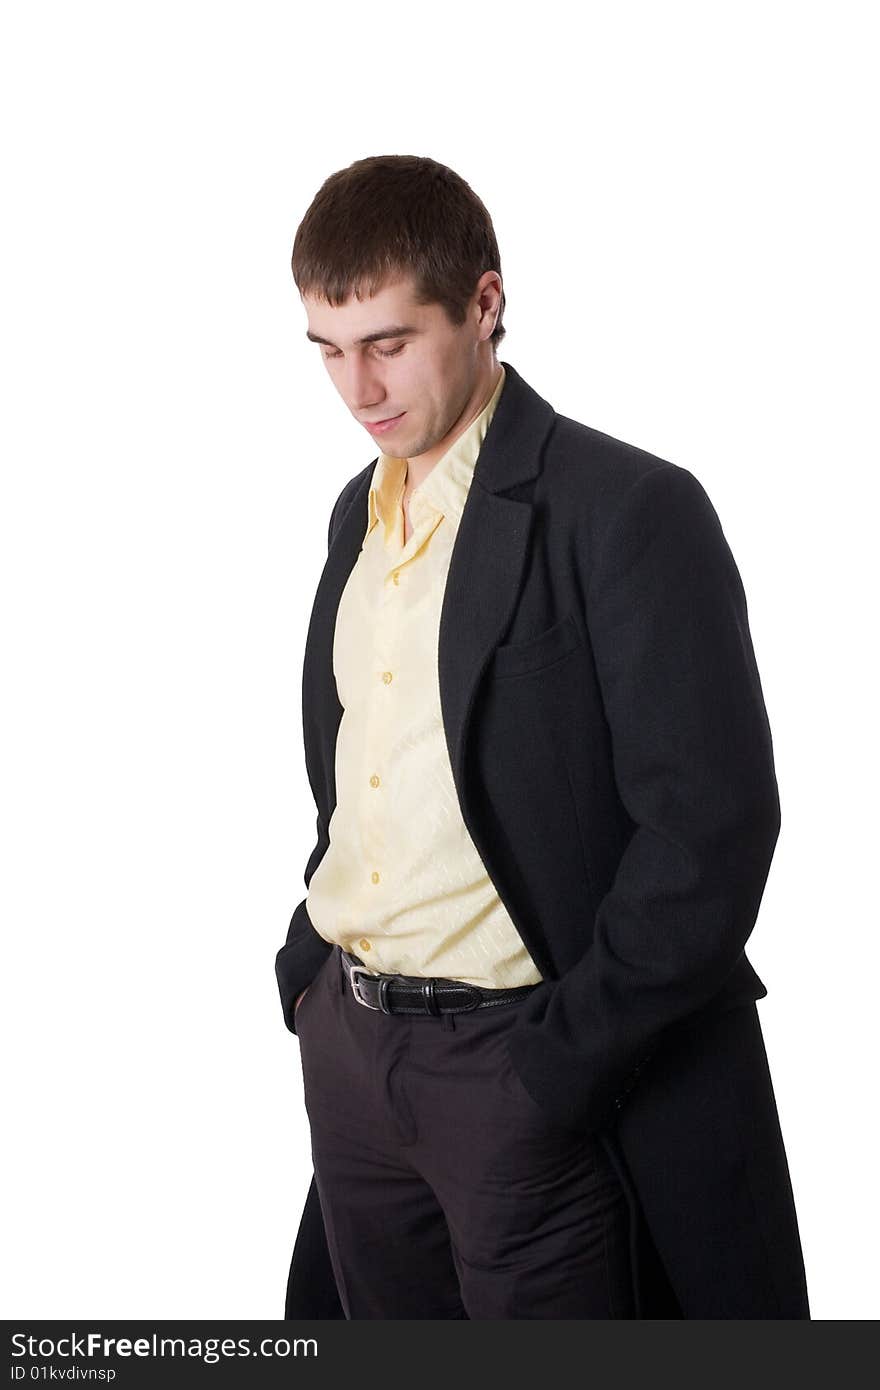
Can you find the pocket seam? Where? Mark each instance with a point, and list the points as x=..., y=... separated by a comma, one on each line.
x=310, y=989
x=537, y=653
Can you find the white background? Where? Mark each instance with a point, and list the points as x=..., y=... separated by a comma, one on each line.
x=682, y=195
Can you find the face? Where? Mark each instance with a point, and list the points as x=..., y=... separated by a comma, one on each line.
x=417, y=369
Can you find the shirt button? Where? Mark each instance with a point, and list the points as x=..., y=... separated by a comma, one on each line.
x=374, y=876
x=364, y=944
x=386, y=676
x=374, y=780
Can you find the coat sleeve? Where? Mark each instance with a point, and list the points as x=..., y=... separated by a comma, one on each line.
x=693, y=763
x=304, y=950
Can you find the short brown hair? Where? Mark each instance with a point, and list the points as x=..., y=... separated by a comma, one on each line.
x=396, y=214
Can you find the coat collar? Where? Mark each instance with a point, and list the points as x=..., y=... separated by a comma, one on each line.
x=482, y=585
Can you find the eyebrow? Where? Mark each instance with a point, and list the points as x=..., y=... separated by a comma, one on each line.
x=396, y=330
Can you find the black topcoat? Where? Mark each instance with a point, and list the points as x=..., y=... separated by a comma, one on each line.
x=613, y=761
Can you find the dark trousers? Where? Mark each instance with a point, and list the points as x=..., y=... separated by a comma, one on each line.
x=445, y=1190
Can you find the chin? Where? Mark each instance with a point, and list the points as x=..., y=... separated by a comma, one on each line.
x=403, y=444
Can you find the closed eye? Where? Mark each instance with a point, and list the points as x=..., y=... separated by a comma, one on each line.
x=379, y=352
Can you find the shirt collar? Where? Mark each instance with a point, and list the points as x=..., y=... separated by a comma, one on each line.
x=445, y=488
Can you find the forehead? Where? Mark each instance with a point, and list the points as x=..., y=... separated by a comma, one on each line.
x=393, y=302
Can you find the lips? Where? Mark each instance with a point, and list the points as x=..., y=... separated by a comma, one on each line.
x=379, y=426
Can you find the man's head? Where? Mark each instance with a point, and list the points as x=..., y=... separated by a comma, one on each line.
x=394, y=243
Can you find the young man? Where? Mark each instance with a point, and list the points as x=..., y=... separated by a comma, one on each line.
x=547, y=807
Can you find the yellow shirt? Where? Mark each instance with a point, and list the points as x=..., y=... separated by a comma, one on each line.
x=401, y=885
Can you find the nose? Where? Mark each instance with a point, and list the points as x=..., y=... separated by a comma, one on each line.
x=364, y=388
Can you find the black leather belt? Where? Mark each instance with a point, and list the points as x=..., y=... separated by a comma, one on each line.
x=418, y=994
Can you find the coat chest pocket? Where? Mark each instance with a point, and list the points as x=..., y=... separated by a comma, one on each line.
x=545, y=649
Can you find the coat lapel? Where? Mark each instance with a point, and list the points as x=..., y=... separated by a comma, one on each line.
x=482, y=585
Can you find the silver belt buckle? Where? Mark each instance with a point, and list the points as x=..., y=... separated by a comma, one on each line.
x=354, y=973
